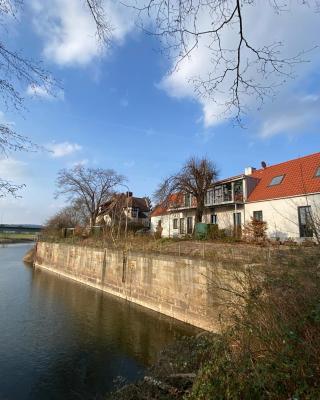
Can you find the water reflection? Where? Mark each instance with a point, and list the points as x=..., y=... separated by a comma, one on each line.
x=64, y=340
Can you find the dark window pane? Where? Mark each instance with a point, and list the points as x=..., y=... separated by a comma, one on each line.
x=237, y=219
x=305, y=221
x=213, y=219
x=182, y=226
x=257, y=215
x=189, y=225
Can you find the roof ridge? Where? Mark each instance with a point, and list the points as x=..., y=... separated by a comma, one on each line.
x=288, y=161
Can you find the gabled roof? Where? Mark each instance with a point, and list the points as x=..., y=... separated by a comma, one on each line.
x=121, y=199
x=175, y=200
x=299, y=178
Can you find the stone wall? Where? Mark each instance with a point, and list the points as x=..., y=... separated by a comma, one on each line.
x=176, y=286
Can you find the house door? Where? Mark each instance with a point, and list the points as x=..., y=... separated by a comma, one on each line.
x=237, y=224
x=236, y=219
x=189, y=225
x=305, y=221
x=182, y=231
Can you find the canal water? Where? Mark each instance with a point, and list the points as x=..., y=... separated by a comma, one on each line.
x=63, y=340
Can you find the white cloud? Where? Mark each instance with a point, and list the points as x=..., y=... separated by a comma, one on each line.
x=298, y=29
x=63, y=149
x=12, y=169
x=44, y=93
x=290, y=115
x=69, y=31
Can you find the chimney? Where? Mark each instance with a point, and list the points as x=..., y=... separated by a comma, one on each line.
x=249, y=170
x=129, y=194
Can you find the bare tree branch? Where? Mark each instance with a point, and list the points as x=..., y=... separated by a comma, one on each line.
x=239, y=70
x=103, y=25
x=195, y=178
x=9, y=188
x=93, y=186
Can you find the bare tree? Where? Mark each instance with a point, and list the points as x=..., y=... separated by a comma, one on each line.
x=17, y=72
x=94, y=186
x=75, y=215
x=239, y=69
x=195, y=178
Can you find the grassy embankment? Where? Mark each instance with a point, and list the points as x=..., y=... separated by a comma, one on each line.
x=7, y=238
x=269, y=349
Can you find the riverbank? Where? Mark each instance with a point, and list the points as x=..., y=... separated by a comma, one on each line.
x=269, y=351
x=174, y=374
x=14, y=238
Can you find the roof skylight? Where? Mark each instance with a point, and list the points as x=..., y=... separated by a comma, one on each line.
x=276, y=180
x=317, y=172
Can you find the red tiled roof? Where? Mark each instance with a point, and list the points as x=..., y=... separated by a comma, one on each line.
x=159, y=210
x=175, y=199
x=299, y=179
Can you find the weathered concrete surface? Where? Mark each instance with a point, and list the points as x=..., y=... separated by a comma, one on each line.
x=176, y=286
x=29, y=257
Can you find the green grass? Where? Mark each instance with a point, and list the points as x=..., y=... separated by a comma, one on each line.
x=5, y=236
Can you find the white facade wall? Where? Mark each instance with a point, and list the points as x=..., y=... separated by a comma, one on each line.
x=167, y=222
x=281, y=215
x=224, y=215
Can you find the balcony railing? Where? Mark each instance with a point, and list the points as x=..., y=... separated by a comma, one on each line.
x=225, y=198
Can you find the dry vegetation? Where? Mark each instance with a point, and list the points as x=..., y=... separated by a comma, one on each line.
x=271, y=349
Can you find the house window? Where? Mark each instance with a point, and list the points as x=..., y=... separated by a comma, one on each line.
x=317, y=175
x=213, y=219
x=305, y=221
x=189, y=225
x=175, y=223
x=257, y=216
x=237, y=219
x=187, y=200
x=135, y=212
x=182, y=232
x=276, y=180
x=210, y=197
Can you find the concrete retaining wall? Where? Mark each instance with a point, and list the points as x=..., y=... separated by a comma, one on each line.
x=176, y=286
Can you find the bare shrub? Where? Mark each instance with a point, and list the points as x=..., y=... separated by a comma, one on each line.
x=255, y=231
x=272, y=349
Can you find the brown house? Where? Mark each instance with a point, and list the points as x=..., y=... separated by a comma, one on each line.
x=124, y=205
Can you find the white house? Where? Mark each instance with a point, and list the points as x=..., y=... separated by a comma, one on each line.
x=285, y=195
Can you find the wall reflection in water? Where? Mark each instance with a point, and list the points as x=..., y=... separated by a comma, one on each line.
x=95, y=336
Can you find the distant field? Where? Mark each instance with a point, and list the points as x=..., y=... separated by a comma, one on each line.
x=12, y=237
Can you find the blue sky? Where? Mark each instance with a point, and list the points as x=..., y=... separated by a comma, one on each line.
x=120, y=109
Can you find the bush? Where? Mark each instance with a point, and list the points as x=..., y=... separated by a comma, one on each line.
x=255, y=231
x=272, y=349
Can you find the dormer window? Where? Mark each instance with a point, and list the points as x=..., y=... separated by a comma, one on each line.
x=276, y=180
x=317, y=175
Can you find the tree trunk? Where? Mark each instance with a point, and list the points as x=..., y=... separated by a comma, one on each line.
x=199, y=211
